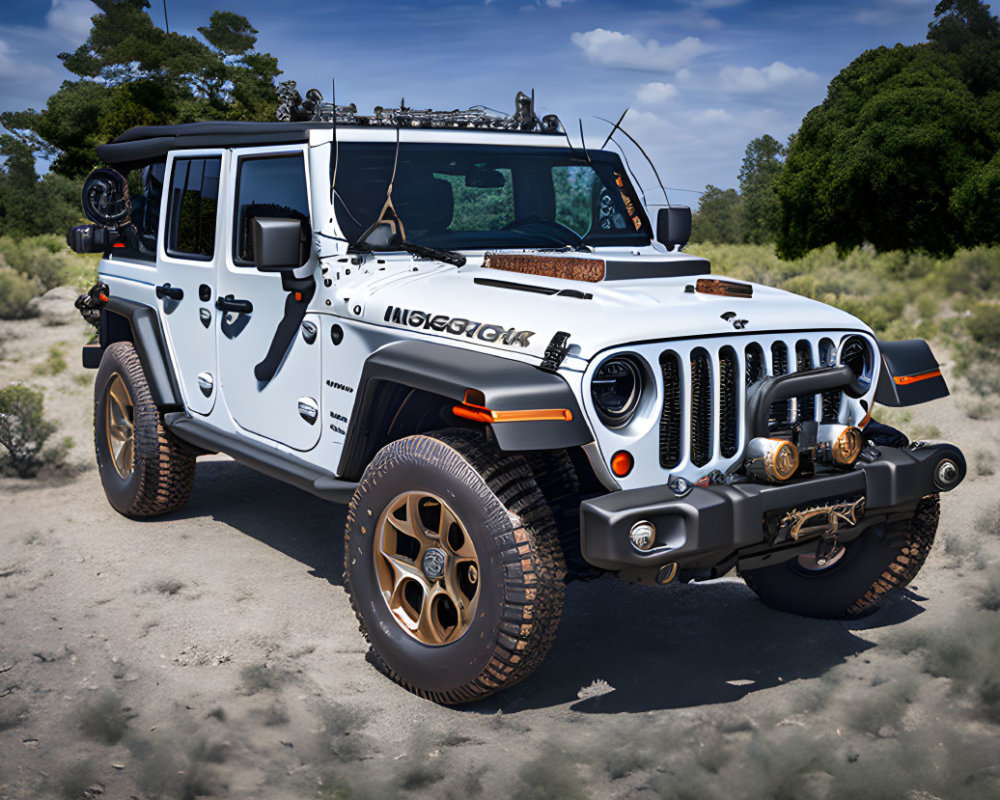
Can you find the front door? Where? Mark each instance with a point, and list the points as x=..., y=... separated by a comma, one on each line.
x=185, y=272
x=266, y=182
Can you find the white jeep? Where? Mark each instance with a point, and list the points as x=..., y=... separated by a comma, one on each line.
x=469, y=328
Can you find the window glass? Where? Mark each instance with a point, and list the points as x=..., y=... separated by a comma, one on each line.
x=145, y=191
x=488, y=196
x=270, y=186
x=194, y=201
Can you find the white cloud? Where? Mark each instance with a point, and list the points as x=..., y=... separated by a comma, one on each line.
x=749, y=80
x=624, y=51
x=71, y=19
x=557, y=3
x=652, y=94
x=715, y=3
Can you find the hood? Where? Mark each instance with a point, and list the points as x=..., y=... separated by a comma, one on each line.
x=520, y=309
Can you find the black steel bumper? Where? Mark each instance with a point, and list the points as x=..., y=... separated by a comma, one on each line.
x=714, y=525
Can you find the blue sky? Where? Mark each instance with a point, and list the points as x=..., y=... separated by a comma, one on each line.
x=702, y=77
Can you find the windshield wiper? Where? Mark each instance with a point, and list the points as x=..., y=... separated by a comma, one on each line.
x=447, y=256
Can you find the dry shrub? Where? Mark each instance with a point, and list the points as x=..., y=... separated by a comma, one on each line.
x=16, y=290
x=24, y=432
x=104, y=718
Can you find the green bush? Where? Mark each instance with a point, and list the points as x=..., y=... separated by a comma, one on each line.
x=24, y=431
x=16, y=290
x=984, y=325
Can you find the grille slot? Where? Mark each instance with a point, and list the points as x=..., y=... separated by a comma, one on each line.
x=728, y=407
x=804, y=361
x=670, y=417
x=779, y=366
x=701, y=407
x=830, y=401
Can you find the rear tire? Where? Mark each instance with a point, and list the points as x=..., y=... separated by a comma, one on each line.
x=497, y=626
x=882, y=560
x=144, y=468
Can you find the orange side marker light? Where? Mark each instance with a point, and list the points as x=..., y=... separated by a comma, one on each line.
x=622, y=463
x=906, y=380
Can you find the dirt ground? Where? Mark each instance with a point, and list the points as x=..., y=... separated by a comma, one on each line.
x=214, y=653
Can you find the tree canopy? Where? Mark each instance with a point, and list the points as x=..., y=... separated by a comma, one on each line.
x=902, y=153
x=719, y=218
x=759, y=173
x=130, y=72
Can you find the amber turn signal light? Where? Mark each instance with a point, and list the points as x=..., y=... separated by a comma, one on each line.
x=622, y=463
x=723, y=288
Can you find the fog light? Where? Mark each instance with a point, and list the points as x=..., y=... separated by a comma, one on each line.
x=642, y=535
x=839, y=444
x=771, y=460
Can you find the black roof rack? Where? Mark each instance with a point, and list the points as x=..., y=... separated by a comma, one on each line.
x=149, y=143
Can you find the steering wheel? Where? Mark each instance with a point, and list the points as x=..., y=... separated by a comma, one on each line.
x=536, y=224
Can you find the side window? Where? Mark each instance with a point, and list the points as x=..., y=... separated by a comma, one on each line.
x=268, y=186
x=574, y=192
x=145, y=190
x=194, y=201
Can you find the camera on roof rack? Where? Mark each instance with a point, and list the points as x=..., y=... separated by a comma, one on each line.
x=312, y=108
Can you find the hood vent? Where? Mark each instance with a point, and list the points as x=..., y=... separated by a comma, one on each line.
x=587, y=268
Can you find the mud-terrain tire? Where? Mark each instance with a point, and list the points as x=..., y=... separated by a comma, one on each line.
x=883, y=559
x=503, y=620
x=154, y=474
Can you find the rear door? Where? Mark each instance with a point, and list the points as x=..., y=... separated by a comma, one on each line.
x=186, y=270
x=266, y=182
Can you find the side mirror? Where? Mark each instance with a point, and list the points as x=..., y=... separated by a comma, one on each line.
x=280, y=244
x=673, y=226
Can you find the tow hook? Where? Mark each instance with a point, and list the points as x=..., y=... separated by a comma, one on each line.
x=827, y=549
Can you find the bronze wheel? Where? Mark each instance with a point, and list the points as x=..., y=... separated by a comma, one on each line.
x=120, y=412
x=427, y=569
x=453, y=565
x=144, y=469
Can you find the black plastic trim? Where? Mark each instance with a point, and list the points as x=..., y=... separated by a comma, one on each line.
x=641, y=269
x=770, y=390
x=447, y=372
x=908, y=358
x=149, y=344
x=261, y=458
x=708, y=525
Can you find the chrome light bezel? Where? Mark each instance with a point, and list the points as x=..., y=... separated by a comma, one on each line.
x=616, y=419
x=852, y=348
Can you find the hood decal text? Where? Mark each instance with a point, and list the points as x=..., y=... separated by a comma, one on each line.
x=458, y=326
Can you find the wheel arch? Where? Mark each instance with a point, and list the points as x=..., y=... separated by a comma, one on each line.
x=126, y=321
x=409, y=387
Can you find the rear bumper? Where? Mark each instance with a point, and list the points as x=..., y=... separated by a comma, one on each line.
x=722, y=524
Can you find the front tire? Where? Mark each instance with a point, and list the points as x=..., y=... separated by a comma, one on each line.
x=453, y=566
x=145, y=470
x=858, y=577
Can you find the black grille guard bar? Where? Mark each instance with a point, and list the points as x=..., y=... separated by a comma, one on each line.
x=767, y=391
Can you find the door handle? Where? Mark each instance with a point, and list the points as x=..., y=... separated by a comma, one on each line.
x=230, y=303
x=166, y=290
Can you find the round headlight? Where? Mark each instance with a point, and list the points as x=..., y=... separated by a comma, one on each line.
x=856, y=353
x=616, y=389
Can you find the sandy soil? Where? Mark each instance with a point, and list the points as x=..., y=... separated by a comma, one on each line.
x=214, y=653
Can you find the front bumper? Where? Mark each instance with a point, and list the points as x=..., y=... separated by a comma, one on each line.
x=714, y=527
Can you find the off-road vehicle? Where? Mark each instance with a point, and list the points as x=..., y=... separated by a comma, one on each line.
x=468, y=326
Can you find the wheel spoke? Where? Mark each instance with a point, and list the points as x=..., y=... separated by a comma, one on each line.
x=120, y=426
x=428, y=625
x=420, y=533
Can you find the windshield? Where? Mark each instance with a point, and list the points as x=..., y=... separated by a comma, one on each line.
x=481, y=197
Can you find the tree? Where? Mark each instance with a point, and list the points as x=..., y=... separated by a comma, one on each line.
x=719, y=218
x=29, y=206
x=762, y=165
x=900, y=153
x=130, y=72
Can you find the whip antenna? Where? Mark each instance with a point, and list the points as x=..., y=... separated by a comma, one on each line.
x=645, y=155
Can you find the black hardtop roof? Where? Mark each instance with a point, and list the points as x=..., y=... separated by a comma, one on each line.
x=152, y=142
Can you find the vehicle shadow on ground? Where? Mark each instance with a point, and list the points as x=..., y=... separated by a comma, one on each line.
x=291, y=521
x=657, y=647
x=683, y=646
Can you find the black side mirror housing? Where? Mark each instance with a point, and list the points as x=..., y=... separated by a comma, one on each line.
x=673, y=226
x=280, y=244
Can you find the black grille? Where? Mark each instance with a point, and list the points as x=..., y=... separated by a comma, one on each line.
x=701, y=407
x=830, y=401
x=803, y=361
x=728, y=403
x=755, y=363
x=670, y=418
x=779, y=361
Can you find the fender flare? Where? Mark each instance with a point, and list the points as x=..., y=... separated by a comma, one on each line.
x=909, y=375
x=507, y=385
x=149, y=344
